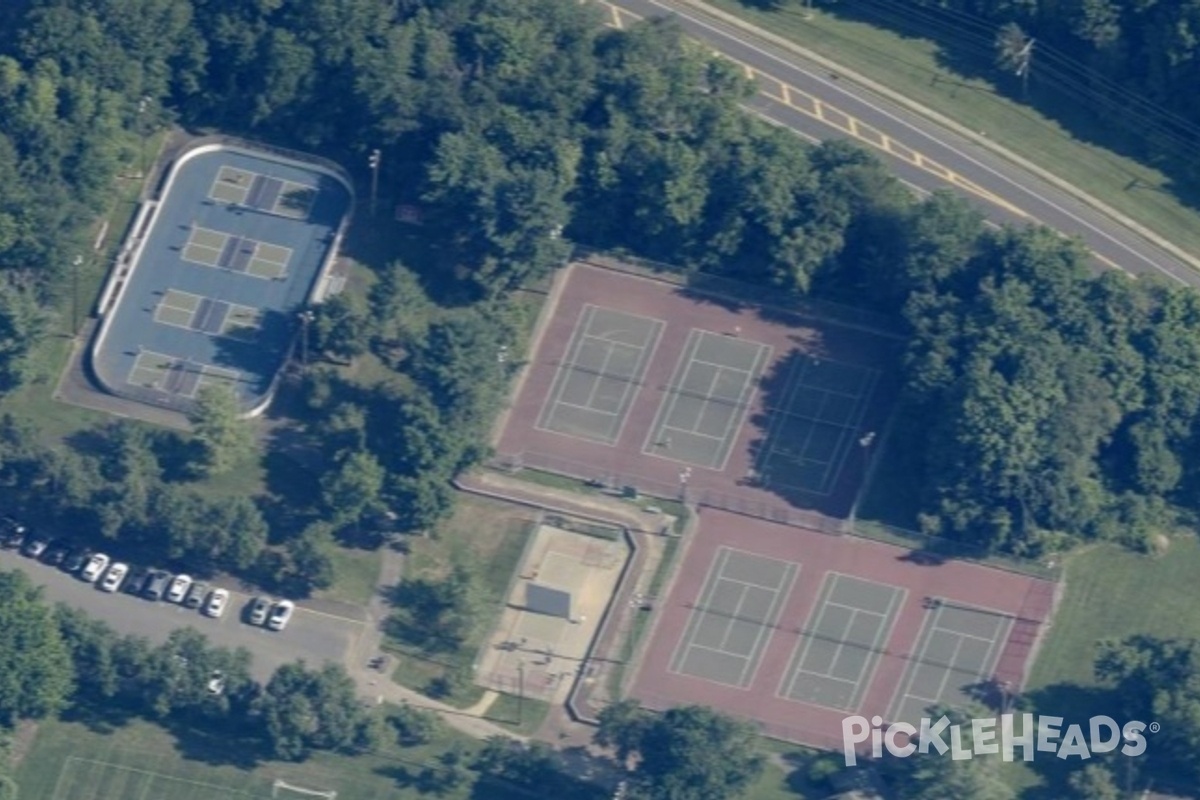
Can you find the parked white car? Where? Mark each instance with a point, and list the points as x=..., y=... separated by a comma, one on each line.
x=114, y=577
x=178, y=588
x=215, y=605
x=280, y=614
x=94, y=568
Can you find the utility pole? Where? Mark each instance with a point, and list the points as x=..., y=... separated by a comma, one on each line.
x=306, y=318
x=374, y=162
x=1025, y=57
x=143, y=104
x=520, y=693
x=75, y=264
x=808, y=9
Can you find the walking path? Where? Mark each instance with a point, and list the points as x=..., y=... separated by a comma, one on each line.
x=378, y=685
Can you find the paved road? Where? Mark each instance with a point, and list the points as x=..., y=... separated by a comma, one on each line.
x=819, y=103
x=311, y=635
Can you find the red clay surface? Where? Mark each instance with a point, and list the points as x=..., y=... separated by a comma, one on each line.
x=623, y=462
x=1029, y=600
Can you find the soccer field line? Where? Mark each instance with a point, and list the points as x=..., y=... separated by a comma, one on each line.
x=110, y=765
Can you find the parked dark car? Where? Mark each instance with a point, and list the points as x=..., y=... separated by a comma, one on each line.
x=196, y=594
x=12, y=533
x=34, y=546
x=76, y=559
x=56, y=553
x=156, y=585
x=136, y=580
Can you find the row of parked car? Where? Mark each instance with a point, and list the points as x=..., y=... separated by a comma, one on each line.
x=152, y=584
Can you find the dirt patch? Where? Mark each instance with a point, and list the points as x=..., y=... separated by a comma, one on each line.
x=22, y=742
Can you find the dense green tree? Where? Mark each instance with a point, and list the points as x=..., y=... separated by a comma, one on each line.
x=937, y=776
x=303, y=710
x=1158, y=679
x=1094, y=782
x=36, y=676
x=23, y=323
x=353, y=489
x=689, y=751
x=526, y=764
x=225, y=439
x=341, y=328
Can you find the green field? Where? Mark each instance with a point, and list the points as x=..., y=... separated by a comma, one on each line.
x=488, y=537
x=141, y=761
x=1113, y=593
x=1110, y=593
x=914, y=67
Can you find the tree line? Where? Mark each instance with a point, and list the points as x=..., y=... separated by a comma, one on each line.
x=56, y=658
x=1043, y=405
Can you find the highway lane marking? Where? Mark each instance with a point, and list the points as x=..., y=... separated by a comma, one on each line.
x=848, y=124
x=736, y=36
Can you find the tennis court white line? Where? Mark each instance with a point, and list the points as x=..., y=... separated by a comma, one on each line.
x=707, y=589
x=767, y=626
x=717, y=650
x=552, y=398
x=786, y=564
x=675, y=388
x=686, y=432
x=950, y=667
x=899, y=595
x=725, y=367
x=856, y=608
x=863, y=403
x=840, y=643
x=961, y=635
x=564, y=403
x=710, y=401
x=736, y=617
x=746, y=398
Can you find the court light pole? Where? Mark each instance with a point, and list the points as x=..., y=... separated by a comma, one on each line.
x=306, y=318
x=374, y=162
x=75, y=264
x=143, y=104
x=520, y=692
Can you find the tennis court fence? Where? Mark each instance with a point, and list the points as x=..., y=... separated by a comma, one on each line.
x=583, y=471
x=934, y=546
x=704, y=283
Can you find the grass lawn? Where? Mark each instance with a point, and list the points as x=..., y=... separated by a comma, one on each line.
x=1111, y=594
x=141, y=761
x=355, y=575
x=552, y=481
x=520, y=716
x=912, y=67
x=489, y=537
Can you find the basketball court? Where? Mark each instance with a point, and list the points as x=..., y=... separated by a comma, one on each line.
x=536, y=651
x=599, y=377
x=840, y=647
x=734, y=617
x=957, y=649
x=707, y=399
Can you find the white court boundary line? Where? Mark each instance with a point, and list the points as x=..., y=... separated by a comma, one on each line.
x=796, y=668
x=674, y=390
x=111, y=765
x=1003, y=631
x=579, y=333
x=686, y=643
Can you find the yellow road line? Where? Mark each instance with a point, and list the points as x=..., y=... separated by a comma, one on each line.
x=815, y=107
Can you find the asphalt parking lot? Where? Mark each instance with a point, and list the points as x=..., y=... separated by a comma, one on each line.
x=311, y=635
